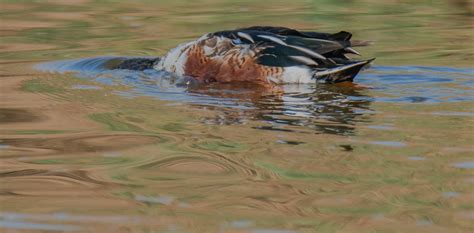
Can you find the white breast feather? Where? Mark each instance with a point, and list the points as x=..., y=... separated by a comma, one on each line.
x=175, y=59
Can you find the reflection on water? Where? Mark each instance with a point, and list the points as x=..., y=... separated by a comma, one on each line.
x=84, y=148
x=83, y=143
x=324, y=108
x=11, y=115
x=439, y=84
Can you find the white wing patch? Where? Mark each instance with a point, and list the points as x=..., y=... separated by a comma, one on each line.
x=308, y=51
x=274, y=39
x=351, y=50
x=337, y=69
x=302, y=49
x=245, y=36
x=323, y=40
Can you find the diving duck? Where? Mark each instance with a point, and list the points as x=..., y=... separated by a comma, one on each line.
x=262, y=55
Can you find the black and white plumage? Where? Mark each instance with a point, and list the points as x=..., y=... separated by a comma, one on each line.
x=267, y=56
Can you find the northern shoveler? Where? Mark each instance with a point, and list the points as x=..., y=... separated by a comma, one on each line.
x=266, y=56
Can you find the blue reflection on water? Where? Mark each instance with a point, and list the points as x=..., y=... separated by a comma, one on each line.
x=412, y=84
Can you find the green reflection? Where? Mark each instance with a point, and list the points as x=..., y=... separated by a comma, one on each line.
x=113, y=123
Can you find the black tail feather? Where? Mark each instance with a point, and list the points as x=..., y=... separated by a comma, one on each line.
x=341, y=36
x=344, y=73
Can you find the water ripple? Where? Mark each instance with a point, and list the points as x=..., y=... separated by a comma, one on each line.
x=333, y=109
x=72, y=177
x=211, y=163
x=82, y=143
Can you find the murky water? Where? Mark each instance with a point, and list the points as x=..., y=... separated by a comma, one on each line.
x=89, y=149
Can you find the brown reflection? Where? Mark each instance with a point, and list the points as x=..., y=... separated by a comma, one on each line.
x=333, y=109
x=12, y=115
x=83, y=143
x=190, y=164
x=212, y=163
x=73, y=176
x=466, y=5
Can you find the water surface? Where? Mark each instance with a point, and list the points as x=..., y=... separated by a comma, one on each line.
x=89, y=149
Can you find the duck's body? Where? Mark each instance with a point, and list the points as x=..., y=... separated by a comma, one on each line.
x=265, y=56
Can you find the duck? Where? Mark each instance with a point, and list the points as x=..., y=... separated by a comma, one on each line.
x=262, y=55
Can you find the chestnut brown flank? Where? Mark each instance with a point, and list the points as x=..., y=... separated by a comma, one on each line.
x=229, y=68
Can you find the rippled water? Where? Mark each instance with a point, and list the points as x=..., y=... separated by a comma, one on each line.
x=89, y=149
x=324, y=108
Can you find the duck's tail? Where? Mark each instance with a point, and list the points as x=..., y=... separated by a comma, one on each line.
x=341, y=73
